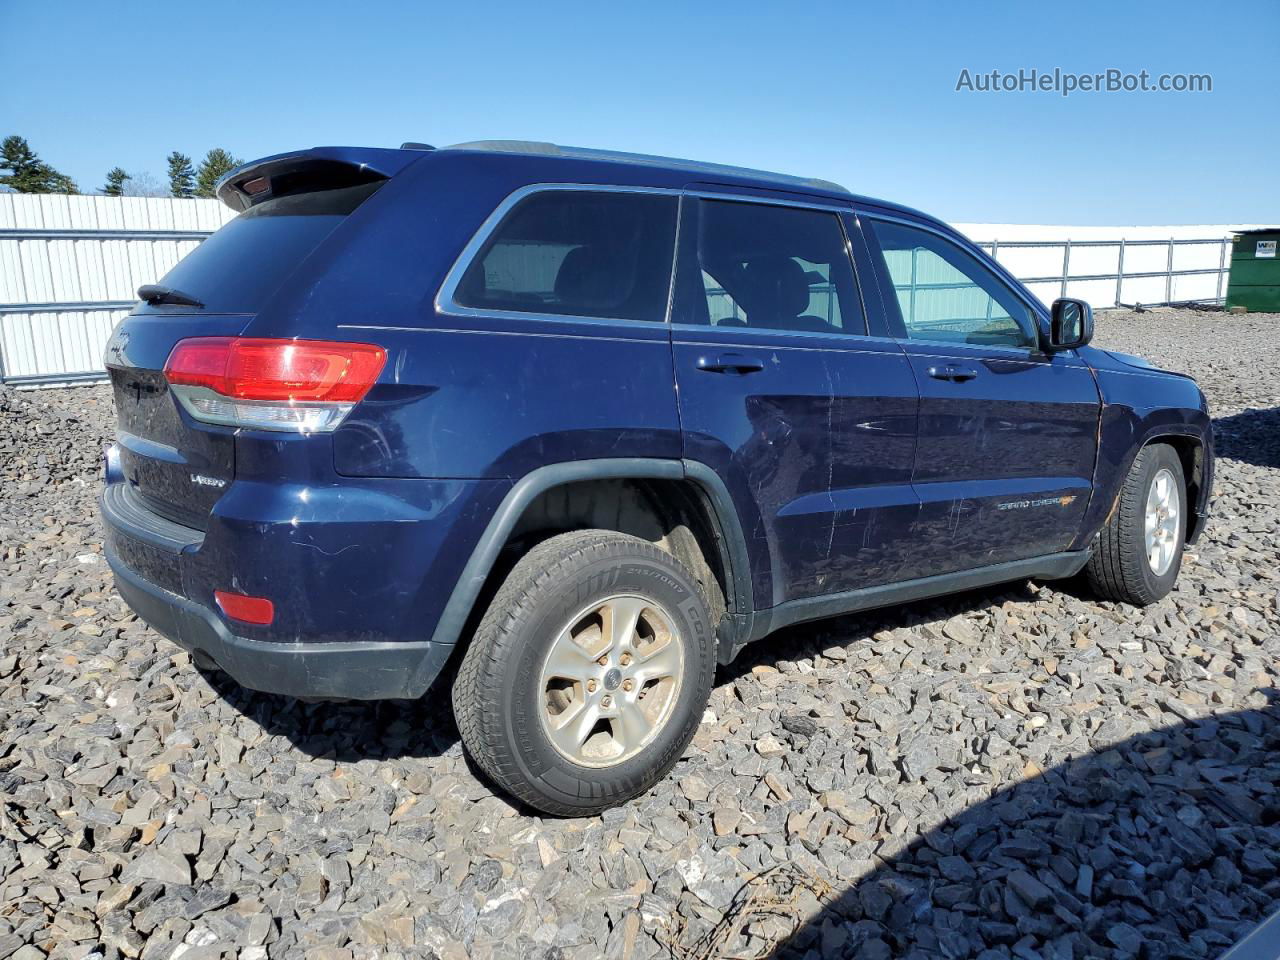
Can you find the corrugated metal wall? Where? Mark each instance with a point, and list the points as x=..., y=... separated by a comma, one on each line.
x=69, y=269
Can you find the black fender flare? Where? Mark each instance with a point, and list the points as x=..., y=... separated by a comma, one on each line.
x=1104, y=501
x=720, y=506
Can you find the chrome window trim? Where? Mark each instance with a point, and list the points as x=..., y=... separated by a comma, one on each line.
x=483, y=331
x=831, y=206
x=1035, y=313
x=447, y=305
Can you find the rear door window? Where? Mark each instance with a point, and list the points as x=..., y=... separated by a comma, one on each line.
x=767, y=267
x=238, y=268
x=594, y=254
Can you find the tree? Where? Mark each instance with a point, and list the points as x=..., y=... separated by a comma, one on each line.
x=116, y=177
x=145, y=184
x=182, y=176
x=24, y=172
x=215, y=164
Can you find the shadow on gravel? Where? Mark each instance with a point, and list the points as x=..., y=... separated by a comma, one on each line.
x=1164, y=845
x=1252, y=436
x=349, y=730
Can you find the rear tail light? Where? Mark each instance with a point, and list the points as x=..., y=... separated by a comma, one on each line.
x=301, y=386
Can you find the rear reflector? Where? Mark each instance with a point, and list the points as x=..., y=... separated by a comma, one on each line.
x=257, y=610
x=296, y=385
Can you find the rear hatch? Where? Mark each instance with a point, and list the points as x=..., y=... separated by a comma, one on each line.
x=177, y=469
x=173, y=465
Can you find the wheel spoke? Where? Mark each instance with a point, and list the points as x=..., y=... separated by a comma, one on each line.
x=568, y=660
x=621, y=616
x=570, y=730
x=663, y=662
x=632, y=725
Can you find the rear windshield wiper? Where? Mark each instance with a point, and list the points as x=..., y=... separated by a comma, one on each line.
x=154, y=293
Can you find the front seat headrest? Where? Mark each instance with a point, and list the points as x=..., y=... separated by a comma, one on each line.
x=776, y=289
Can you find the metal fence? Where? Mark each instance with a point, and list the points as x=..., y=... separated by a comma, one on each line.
x=69, y=268
x=1062, y=281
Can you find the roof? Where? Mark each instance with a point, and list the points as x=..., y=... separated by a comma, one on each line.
x=377, y=162
x=698, y=167
x=1245, y=233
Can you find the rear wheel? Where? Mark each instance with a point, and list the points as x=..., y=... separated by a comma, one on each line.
x=1138, y=553
x=589, y=673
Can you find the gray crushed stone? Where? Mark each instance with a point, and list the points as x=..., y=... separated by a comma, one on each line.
x=1017, y=772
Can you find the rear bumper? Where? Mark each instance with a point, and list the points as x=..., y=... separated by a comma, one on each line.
x=358, y=671
x=153, y=559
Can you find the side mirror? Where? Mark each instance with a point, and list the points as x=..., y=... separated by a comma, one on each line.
x=1070, y=324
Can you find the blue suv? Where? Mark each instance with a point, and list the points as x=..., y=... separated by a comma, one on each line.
x=580, y=425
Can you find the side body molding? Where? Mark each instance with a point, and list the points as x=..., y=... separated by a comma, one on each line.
x=728, y=531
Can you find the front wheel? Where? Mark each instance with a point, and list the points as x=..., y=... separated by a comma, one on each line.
x=1138, y=553
x=589, y=673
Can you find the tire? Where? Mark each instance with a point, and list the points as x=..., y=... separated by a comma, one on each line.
x=505, y=704
x=1119, y=568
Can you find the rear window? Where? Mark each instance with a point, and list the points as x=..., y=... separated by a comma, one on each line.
x=238, y=268
x=577, y=253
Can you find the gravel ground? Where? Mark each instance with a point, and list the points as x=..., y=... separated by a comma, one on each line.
x=1020, y=771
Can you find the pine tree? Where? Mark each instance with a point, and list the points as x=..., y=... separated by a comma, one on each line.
x=182, y=176
x=24, y=172
x=116, y=177
x=215, y=164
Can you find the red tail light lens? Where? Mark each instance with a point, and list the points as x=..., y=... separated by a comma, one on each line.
x=298, y=385
x=237, y=606
x=261, y=369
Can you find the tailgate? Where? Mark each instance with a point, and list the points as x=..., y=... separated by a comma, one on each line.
x=176, y=467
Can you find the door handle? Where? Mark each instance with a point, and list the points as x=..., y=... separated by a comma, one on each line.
x=730, y=363
x=952, y=372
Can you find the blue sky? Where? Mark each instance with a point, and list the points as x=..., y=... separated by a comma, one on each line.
x=861, y=94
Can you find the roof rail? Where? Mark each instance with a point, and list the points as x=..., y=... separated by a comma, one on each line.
x=693, y=166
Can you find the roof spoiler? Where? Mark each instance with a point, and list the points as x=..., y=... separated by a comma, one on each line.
x=320, y=168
